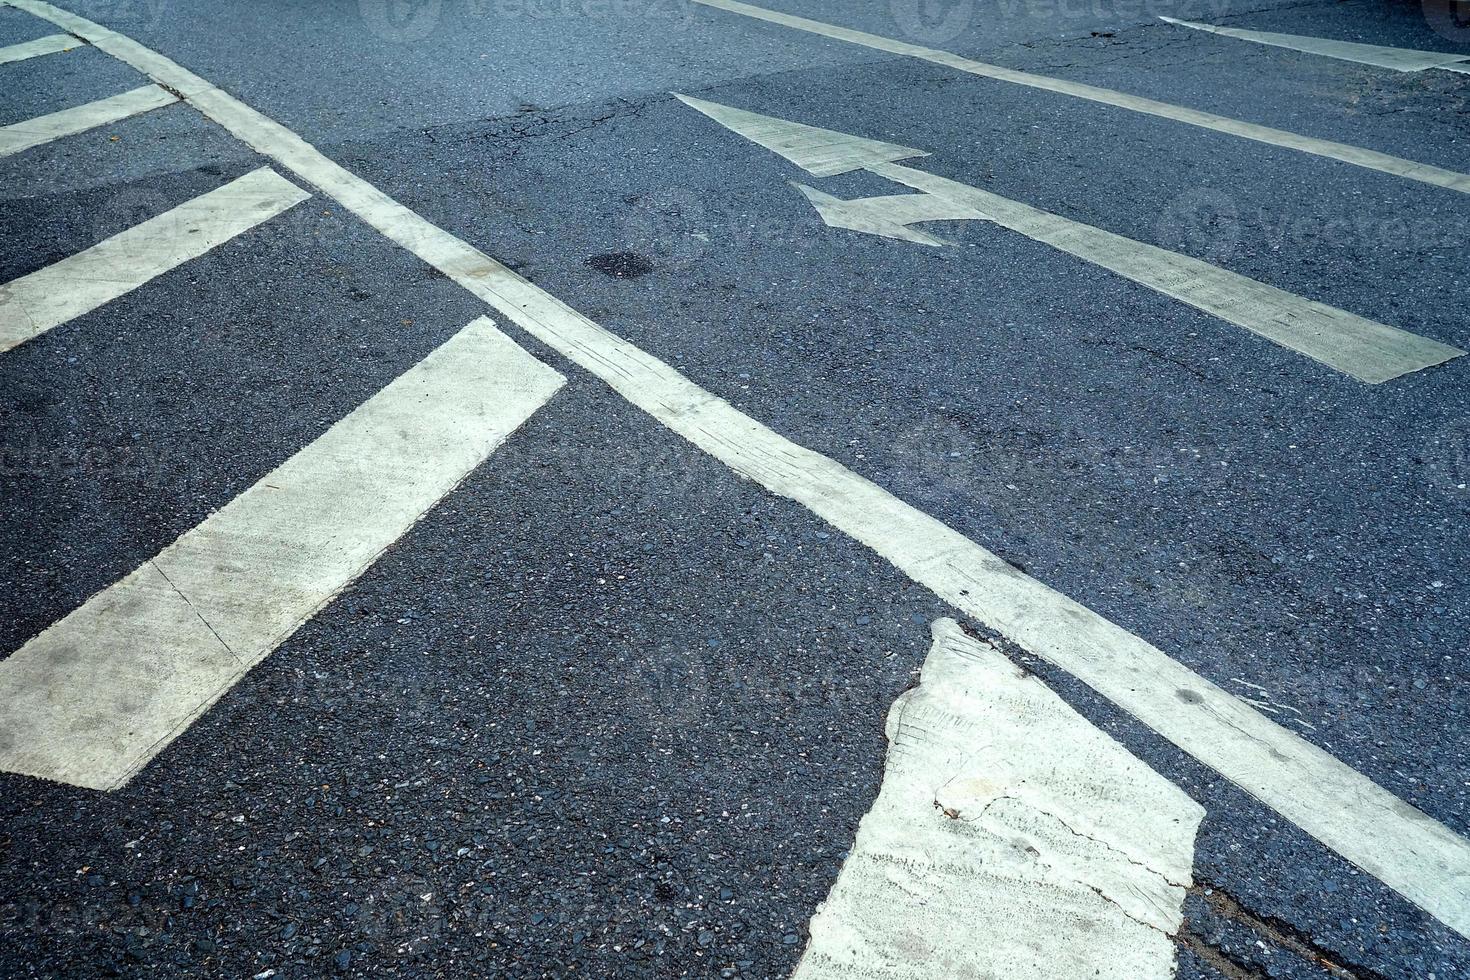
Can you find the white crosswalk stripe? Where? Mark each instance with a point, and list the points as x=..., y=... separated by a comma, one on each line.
x=94, y=697
x=78, y=119
x=51, y=44
x=1343, y=152
x=49, y=297
x=1397, y=59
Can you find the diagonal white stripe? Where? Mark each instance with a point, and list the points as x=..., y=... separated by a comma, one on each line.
x=47, y=298
x=101, y=692
x=78, y=119
x=51, y=44
x=1398, y=59
x=1346, y=153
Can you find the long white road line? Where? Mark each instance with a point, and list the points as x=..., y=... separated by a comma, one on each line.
x=78, y=119
x=1370, y=351
x=1011, y=838
x=98, y=694
x=1397, y=59
x=49, y=297
x=1346, y=153
x=1400, y=845
x=50, y=44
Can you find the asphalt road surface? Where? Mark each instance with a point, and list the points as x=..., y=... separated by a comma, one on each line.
x=466, y=513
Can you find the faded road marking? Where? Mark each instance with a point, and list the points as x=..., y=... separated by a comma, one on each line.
x=68, y=122
x=49, y=297
x=51, y=44
x=101, y=692
x=1403, y=847
x=1398, y=59
x=1367, y=350
x=1010, y=838
x=1356, y=155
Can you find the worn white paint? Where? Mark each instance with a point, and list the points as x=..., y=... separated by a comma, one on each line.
x=68, y=122
x=49, y=297
x=1397, y=59
x=889, y=216
x=1343, y=152
x=1010, y=838
x=1400, y=845
x=101, y=692
x=1367, y=350
x=50, y=44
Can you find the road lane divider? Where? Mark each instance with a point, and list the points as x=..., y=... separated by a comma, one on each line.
x=1367, y=350
x=50, y=44
x=1397, y=59
x=1011, y=838
x=1342, y=152
x=94, y=697
x=49, y=297
x=78, y=119
x=1346, y=811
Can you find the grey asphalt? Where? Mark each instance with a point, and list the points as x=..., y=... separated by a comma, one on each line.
x=610, y=710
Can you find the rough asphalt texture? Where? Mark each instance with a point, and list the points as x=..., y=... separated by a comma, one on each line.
x=610, y=710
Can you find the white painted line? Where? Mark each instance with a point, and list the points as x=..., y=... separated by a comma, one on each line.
x=1367, y=350
x=1397, y=59
x=50, y=44
x=79, y=119
x=1343, y=152
x=49, y=297
x=1010, y=838
x=1403, y=847
x=104, y=690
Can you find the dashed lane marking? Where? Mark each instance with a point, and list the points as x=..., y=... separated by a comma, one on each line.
x=1346, y=153
x=49, y=297
x=1010, y=838
x=78, y=119
x=1397, y=59
x=97, y=695
x=1405, y=848
x=51, y=44
x=1367, y=350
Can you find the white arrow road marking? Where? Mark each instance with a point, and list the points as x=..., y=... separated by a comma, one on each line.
x=78, y=119
x=49, y=297
x=1343, y=152
x=50, y=44
x=1010, y=838
x=101, y=692
x=1367, y=350
x=1405, y=848
x=889, y=217
x=1398, y=59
